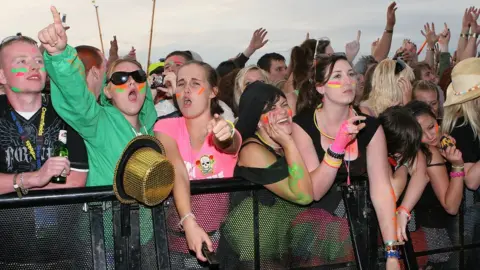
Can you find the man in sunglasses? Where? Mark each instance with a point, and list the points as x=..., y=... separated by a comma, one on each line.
x=30, y=127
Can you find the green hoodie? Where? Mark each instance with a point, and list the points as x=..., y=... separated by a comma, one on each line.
x=103, y=127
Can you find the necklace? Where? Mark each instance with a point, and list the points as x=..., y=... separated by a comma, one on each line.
x=140, y=132
x=277, y=149
x=318, y=128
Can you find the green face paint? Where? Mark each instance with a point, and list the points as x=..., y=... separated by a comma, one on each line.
x=15, y=89
x=42, y=69
x=19, y=70
x=142, y=87
x=119, y=90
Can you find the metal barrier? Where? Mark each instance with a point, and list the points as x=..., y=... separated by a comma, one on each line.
x=87, y=228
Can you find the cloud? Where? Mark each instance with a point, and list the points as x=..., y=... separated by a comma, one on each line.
x=219, y=29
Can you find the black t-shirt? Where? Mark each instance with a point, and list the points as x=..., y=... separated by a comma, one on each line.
x=14, y=154
x=358, y=167
x=466, y=141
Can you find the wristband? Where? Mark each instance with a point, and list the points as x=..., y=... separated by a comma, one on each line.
x=335, y=155
x=457, y=174
x=389, y=31
x=232, y=126
x=392, y=254
x=330, y=161
x=16, y=187
x=404, y=210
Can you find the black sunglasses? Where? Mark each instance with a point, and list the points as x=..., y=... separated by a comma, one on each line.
x=400, y=65
x=121, y=77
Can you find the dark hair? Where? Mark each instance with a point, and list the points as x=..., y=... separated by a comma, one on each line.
x=226, y=88
x=301, y=59
x=367, y=83
x=257, y=99
x=90, y=56
x=226, y=67
x=265, y=62
x=403, y=133
x=212, y=80
x=185, y=54
x=419, y=108
x=309, y=98
x=445, y=79
x=419, y=67
x=363, y=64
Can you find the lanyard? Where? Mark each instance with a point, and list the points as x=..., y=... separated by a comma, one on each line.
x=36, y=155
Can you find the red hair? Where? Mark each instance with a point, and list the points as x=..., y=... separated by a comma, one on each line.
x=90, y=56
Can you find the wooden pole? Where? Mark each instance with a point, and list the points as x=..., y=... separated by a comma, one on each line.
x=99, y=29
x=151, y=35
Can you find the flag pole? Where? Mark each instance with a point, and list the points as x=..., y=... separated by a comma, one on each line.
x=151, y=34
x=99, y=28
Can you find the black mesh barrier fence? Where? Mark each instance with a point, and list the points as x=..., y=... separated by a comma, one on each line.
x=250, y=229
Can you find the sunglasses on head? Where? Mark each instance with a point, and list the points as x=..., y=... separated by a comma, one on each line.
x=400, y=65
x=121, y=77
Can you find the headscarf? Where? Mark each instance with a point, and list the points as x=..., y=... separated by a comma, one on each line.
x=252, y=104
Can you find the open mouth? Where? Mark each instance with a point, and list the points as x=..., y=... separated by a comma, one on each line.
x=34, y=77
x=283, y=121
x=132, y=95
x=187, y=102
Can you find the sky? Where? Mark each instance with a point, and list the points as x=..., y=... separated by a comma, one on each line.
x=220, y=29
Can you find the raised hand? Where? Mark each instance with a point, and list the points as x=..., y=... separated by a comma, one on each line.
x=391, y=18
x=114, y=47
x=352, y=48
x=132, y=54
x=258, y=39
x=444, y=37
x=430, y=35
x=53, y=37
x=271, y=127
x=348, y=132
x=221, y=129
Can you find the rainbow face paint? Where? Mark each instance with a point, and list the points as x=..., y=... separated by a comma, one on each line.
x=19, y=72
x=142, y=87
x=201, y=91
x=335, y=84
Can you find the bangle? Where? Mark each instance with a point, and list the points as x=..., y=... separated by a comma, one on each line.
x=335, y=155
x=403, y=209
x=457, y=174
x=392, y=254
x=232, y=126
x=22, y=188
x=389, y=31
x=180, y=224
x=16, y=187
x=330, y=161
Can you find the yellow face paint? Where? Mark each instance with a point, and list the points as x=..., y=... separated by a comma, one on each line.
x=334, y=84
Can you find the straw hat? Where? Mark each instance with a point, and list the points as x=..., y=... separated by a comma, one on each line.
x=143, y=173
x=465, y=84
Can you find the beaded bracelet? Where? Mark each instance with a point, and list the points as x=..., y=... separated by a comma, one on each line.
x=180, y=224
x=335, y=155
x=457, y=174
x=392, y=254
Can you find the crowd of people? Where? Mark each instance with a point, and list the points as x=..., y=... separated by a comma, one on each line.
x=300, y=129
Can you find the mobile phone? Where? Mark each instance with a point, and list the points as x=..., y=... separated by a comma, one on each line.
x=158, y=82
x=211, y=257
x=446, y=142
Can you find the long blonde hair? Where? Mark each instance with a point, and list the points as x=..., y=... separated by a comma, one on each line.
x=240, y=83
x=470, y=113
x=386, y=90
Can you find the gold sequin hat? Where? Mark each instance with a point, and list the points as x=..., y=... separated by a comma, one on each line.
x=465, y=84
x=143, y=173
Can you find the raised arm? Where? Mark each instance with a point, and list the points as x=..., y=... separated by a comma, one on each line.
x=383, y=47
x=70, y=95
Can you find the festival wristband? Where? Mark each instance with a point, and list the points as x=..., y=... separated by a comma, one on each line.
x=341, y=140
x=232, y=126
x=334, y=163
x=457, y=174
x=392, y=254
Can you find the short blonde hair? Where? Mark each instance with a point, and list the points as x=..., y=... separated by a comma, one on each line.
x=240, y=83
x=386, y=90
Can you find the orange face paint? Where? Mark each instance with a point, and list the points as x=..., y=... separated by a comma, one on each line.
x=290, y=112
x=121, y=88
x=265, y=118
x=201, y=91
x=142, y=87
x=436, y=128
x=177, y=95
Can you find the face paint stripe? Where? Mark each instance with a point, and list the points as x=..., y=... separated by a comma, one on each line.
x=201, y=91
x=142, y=87
x=15, y=89
x=43, y=69
x=19, y=70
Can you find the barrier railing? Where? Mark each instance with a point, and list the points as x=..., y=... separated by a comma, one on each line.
x=87, y=228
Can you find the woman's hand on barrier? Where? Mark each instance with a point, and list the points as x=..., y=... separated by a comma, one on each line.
x=195, y=237
x=54, y=37
x=402, y=221
x=393, y=264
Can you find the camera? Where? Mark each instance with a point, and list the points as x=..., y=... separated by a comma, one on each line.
x=158, y=82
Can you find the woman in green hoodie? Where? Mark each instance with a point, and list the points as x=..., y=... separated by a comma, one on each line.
x=125, y=111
